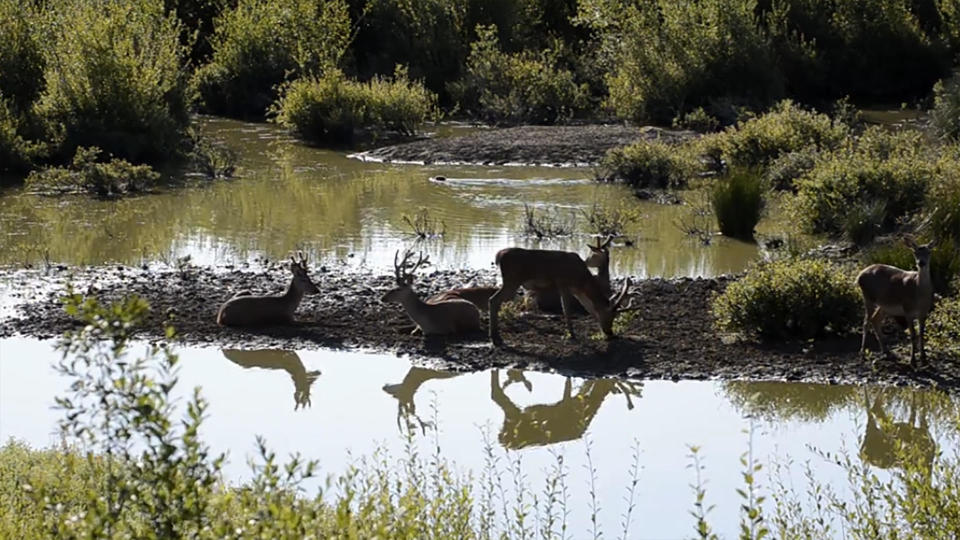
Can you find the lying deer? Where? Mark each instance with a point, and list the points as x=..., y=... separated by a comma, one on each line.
x=245, y=309
x=453, y=316
x=568, y=273
x=907, y=295
x=478, y=296
x=548, y=300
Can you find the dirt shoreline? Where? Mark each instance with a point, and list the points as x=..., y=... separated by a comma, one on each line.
x=671, y=337
x=559, y=146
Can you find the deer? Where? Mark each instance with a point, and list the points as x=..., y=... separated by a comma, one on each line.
x=288, y=361
x=478, y=296
x=903, y=294
x=565, y=271
x=245, y=309
x=447, y=317
x=548, y=300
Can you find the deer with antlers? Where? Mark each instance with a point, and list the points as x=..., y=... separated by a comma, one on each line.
x=245, y=309
x=548, y=300
x=906, y=295
x=454, y=316
x=564, y=271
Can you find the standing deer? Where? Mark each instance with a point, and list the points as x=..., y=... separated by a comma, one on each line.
x=548, y=300
x=442, y=318
x=568, y=273
x=907, y=295
x=245, y=309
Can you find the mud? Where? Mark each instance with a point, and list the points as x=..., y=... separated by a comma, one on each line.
x=527, y=145
x=671, y=337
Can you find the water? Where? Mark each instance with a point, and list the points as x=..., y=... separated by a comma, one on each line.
x=335, y=406
x=292, y=196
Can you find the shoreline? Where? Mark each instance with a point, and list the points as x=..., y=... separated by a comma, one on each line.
x=671, y=338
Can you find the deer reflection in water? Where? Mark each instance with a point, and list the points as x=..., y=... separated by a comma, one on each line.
x=288, y=361
x=887, y=443
x=534, y=425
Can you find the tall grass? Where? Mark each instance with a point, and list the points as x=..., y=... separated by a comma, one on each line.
x=738, y=202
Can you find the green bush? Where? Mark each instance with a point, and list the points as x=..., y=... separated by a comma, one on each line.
x=737, y=201
x=332, y=108
x=86, y=175
x=790, y=299
x=697, y=120
x=16, y=154
x=260, y=43
x=943, y=327
x=671, y=57
x=786, y=128
x=21, y=56
x=515, y=88
x=785, y=169
x=943, y=201
x=865, y=188
x=648, y=164
x=115, y=78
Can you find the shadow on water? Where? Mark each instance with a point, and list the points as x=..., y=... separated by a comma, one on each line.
x=288, y=361
x=533, y=425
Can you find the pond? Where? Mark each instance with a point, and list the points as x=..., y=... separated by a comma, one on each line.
x=291, y=196
x=337, y=406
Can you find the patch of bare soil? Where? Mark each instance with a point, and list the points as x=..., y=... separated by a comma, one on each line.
x=671, y=337
x=529, y=145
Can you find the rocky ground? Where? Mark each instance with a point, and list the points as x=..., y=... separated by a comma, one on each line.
x=534, y=145
x=671, y=337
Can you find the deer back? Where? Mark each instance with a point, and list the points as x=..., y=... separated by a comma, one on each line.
x=892, y=287
x=541, y=268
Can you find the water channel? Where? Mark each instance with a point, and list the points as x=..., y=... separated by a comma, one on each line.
x=337, y=405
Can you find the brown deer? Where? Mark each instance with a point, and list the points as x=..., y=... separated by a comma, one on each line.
x=548, y=300
x=442, y=318
x=245, y=309
x=568, y=273
x=906, y=295
x=478, y=296
x=288, y=361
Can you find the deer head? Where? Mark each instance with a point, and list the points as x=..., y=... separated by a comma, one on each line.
x=921, y=252
x=600, y=253
x=608, y=313
x=301, y=279
x=404, y=271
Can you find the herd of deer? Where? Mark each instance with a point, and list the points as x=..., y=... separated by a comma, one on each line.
x=560, y=277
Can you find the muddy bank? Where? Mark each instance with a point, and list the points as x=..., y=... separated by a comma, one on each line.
x=671, y=337
x=528, y=145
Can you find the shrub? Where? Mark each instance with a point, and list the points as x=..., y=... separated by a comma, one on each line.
x=550, y=223
x=16, y=154
x=943, y=327
x=737, y=201
x=648, y=164
x=943, y=202
x=331, y=108
x=110, y=179
x=114, y=78
x=846, y=189
x=790, y=299
x=21, y=56
x=785, y=128
x=697, y=120
x=670, y=57
x=945, y=115
x=524, y=87
x=611, y=219
x=785, y=169
x=258, y=43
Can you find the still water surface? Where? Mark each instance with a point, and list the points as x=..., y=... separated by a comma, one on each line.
x=335, y=406
x=292, y=196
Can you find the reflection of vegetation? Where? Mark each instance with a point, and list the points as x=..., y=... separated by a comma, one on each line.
x=782, y=402
x=610, y=220
x=547, y=223
x=423, y=226
x=288, y=361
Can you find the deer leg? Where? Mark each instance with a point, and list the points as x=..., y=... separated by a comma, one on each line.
x=866, y=323
x=913, y=344
x=506, y=292
x=922, y=323
x=875, y=325
x=567, y=303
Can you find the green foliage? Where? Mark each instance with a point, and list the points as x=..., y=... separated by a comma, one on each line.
x=114, y=78
x=611, y=219
x=16, y=154
x=332, y=108
x=86, y=175
x=668, y=57
x=790, y=299
x=548, y=223
x=514, y=88
x=259, y=43
x=784, y=170
x=21, y=55
x=697, y=120
x=943, y=201
x=866, y=187
x=648, y=164
x=197, y=20
x=786, y=128
x=943, y=327
x=738, y=202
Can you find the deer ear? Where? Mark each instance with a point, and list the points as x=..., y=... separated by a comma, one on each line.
x=909, y=241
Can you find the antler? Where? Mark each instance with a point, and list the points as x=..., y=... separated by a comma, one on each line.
x=300, y=259
x=602, y=244
x=621, y=296
x=404, y=270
